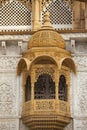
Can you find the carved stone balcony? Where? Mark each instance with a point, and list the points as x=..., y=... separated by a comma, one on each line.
x=46, y=114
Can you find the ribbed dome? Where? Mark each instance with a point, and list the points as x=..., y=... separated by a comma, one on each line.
x=46, y=38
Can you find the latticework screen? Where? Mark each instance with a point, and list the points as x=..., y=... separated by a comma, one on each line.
x=15, y=16
x=60, y=14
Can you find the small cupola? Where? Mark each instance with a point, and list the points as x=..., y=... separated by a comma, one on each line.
x=46, y=36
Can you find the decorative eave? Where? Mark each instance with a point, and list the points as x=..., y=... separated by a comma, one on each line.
x=32, y=32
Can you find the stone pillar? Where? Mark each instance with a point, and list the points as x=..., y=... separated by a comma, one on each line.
x=76, y=15
x=36, y=14
x=82, y=15
x=86, y=15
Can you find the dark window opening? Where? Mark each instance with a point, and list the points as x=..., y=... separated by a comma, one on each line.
x=44, y=87
x=28, y=89
x=62, y=88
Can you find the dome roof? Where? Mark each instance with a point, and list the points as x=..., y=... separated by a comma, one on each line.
x=46, y=36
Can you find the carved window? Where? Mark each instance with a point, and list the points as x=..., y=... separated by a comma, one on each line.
x=62, y=88
x=44, y=87
x=28, y=88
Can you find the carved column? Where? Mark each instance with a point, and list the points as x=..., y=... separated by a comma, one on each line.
x=86, y=15
x=82, y=15
x=56, y=90
x=36, y=14
x=76, y=15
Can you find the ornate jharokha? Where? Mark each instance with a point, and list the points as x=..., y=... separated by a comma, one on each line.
x=46, y=80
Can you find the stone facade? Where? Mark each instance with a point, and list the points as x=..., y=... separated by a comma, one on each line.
x=11, y=49
x=11, y=84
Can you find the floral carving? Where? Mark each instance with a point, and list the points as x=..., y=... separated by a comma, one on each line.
x=9, y=124
x=9, y=62
x=44, y=105
x=80, y=124
x=81, y=62
x=63, y=106
x=8, y=95
x=82, y=93
x=42, y=70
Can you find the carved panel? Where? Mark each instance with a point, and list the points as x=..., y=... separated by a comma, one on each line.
x=81, y=62
x=81, y=94
x=80, y=124
x=45, y=105
x=63, y=106
x=45, y=69
x=8, y=95
x=78, y=87
x=9, y=62
x=7, y=124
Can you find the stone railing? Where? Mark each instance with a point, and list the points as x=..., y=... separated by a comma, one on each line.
x=46, y=106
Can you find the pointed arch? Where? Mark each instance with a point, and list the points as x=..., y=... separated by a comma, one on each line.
x=68, y=62
x=24, y=63
x=44, y=87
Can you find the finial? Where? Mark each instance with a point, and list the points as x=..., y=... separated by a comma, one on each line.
x=47, y=23
x=47, y=19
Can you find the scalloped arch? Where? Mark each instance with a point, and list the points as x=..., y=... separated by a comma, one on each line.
x=24, y=63
x=38, y=58
x=67, y=61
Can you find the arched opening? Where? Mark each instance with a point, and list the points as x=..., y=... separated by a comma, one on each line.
x=23, y=64
x=44, y=60
x=44, y=87
x=28, y=88
x=62, y=90
x=68, y=62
